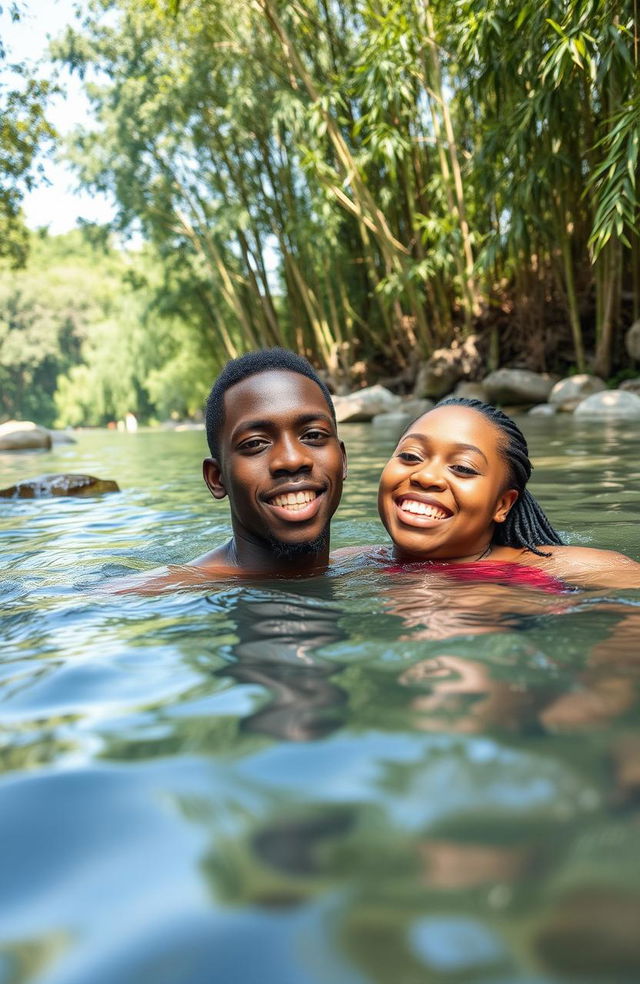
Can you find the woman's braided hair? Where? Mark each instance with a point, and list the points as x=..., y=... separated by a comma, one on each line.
x=526, y=525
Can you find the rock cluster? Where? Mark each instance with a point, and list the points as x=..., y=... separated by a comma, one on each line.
x=456, y=371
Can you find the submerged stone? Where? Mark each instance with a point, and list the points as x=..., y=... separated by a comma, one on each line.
x=51, y=485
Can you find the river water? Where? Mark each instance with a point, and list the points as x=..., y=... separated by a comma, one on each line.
x=360, y=778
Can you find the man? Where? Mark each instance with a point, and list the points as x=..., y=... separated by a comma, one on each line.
x=275, y=454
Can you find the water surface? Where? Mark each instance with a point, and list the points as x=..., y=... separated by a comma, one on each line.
x=351, y=778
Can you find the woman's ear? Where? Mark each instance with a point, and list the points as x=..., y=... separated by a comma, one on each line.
x=505, y=504
x=212, y=474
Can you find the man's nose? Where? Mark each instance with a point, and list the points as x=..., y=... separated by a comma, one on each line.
x=429, y=474
x=290, y=455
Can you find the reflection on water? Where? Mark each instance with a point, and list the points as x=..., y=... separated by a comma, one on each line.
x=365, y=778
x=278, y=637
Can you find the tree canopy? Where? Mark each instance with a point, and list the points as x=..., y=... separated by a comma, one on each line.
x=24, y=131
x=367, y=180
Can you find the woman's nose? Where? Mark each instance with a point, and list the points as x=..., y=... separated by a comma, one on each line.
x=429, y=475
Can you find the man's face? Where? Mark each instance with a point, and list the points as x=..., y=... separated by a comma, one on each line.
x=281, y=463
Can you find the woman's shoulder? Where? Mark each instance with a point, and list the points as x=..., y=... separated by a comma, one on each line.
x=586, y=566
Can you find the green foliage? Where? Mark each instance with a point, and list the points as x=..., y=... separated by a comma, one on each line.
x=24, y=132
x=83, y=339
x=360, y=180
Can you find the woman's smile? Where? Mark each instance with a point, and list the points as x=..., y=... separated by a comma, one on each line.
x=420, y=511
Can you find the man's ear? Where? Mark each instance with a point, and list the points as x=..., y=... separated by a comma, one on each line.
x=212, y=474
x=505, y=504
x=344, y=460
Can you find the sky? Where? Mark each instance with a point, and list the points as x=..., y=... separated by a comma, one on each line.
x=57, y=205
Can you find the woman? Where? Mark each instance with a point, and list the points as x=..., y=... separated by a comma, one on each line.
x=454, y=492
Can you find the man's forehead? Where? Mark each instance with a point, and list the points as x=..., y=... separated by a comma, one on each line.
x=273, y=393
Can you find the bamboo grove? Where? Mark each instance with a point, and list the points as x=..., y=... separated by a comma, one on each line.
x=367, y=180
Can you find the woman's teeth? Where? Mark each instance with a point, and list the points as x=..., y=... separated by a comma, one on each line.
x=294, y=500
x=422, y=509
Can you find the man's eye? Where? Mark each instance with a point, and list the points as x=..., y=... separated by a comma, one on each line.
x=315, y=435
x=464, y=470
x=253, y=444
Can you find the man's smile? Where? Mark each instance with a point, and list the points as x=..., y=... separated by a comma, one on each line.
x=294, y=503
x=293, y=500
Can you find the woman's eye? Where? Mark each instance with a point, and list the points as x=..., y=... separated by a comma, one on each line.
x=464, y=470
x=408, y=456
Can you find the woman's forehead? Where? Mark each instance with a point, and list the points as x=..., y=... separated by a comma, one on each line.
x=457, y=423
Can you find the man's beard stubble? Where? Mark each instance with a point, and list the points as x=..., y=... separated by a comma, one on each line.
x=298, y=551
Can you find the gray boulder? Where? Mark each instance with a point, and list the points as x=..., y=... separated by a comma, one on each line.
x=470, y=391
x=21, y=435
x=517, y=387
x=394, y=420
x=631, y=386
x=542, y=410
x=50, y=485
x=398, y=420
x=62, y=437
x=610, y=405
x=569, y=392
x=415, y=408
x=365, y=404
x=439, y=374
x=632, y=341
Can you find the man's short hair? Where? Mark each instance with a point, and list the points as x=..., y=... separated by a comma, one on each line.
x=249, y=365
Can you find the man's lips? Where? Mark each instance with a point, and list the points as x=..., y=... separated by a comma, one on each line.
x=420, y=511
x=295, y=504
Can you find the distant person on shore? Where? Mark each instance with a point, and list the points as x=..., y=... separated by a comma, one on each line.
x=276, y=456
x=454, y=495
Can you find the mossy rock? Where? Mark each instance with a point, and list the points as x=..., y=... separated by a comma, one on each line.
x=52, y=485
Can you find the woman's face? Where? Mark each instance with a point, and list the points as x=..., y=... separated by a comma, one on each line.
x=445, y=486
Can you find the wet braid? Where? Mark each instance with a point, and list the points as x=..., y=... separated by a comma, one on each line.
x=526, y=525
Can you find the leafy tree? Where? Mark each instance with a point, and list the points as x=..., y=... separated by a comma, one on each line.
x=368, y=179
x=24, y=133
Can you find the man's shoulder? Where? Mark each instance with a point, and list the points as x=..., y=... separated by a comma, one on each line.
x=204, y=569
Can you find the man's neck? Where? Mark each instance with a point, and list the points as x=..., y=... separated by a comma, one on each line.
x=277, y=559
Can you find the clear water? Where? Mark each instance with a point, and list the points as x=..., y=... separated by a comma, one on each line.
x=359, y=778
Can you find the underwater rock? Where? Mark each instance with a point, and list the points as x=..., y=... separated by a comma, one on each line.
x=50, y=485
x=21, y=435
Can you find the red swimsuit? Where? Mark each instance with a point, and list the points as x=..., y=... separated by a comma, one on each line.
x=505, y=572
